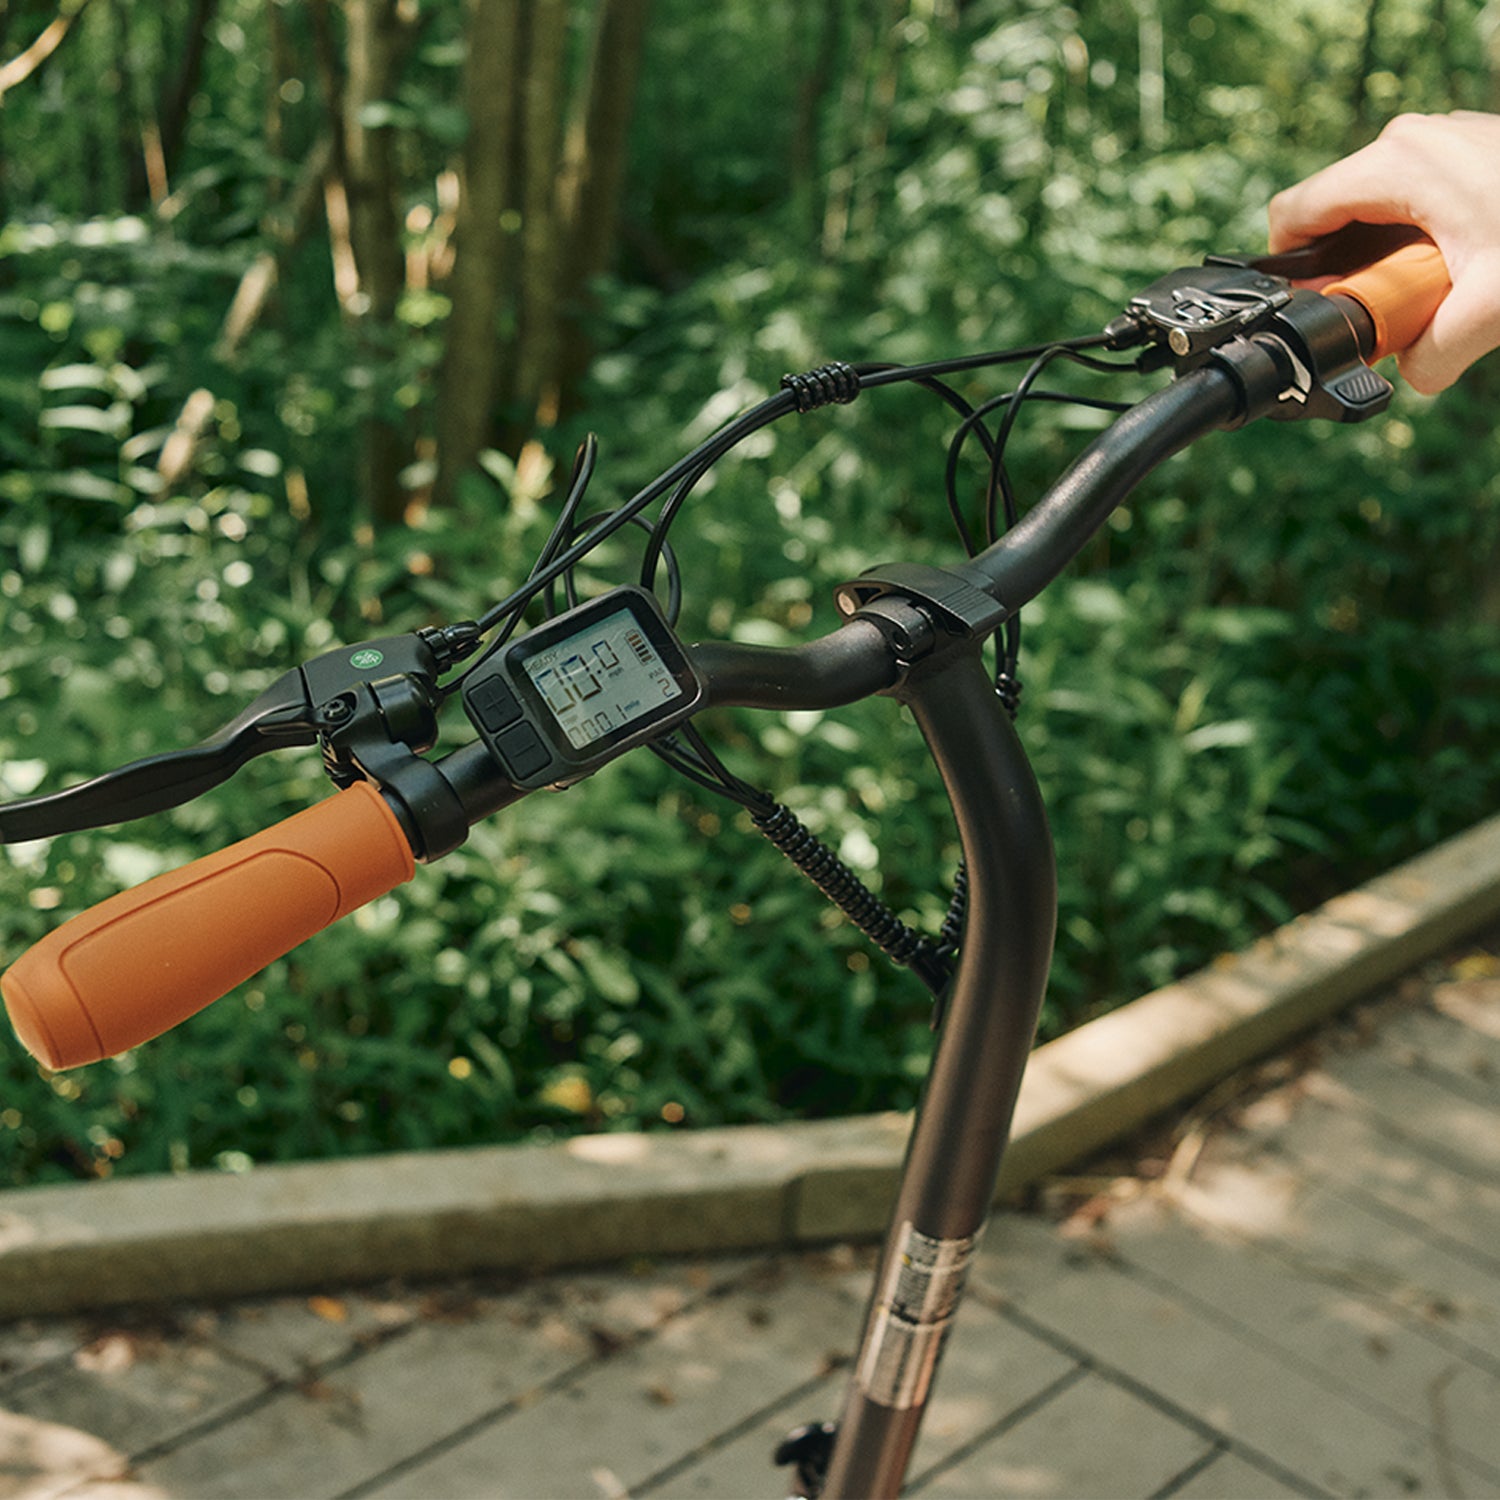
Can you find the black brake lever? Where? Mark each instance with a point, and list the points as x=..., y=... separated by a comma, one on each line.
x=280, y=716
x=321, y=699
x=1349, y=249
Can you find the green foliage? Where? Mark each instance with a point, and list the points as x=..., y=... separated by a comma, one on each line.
x=1272, y=675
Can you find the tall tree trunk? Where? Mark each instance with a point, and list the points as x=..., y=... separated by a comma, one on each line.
x=6, y=265
x=469, y=380
x=180, y=88
x=373, y=50
x=283, y=68
x=161, y=112
x=555, y=176
x=283, y=229
x=1359, y=100
x=1492, y=63
x=871, y=179
x=369, y=151
x=538, y=348
x=595, y=158
x=860, y=121
x=1153, y=74
x=131, y=138
x=815, y=82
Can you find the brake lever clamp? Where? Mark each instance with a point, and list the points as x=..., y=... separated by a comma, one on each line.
x=1293, y=353
x=1186, y=314
x=372, y=706
x=375, y=708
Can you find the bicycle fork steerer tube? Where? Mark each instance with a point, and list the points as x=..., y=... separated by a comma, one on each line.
x=953, y=1157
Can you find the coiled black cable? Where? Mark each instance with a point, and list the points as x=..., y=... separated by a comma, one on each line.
x=900, y=943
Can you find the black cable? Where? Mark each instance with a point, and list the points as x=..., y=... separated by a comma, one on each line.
x=902, y=943
x=673, y=606
x=686, y=751
x=584, y=463
x=836, y=382
x=972, y=427
x=711, y=449
x=689, y=469
x=1000, y=492
x=1000, y=481
x=564, y=528
x=697, y=761
x=893, y=374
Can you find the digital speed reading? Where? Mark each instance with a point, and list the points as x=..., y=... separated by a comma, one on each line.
x=577, y=690
x=603, y=679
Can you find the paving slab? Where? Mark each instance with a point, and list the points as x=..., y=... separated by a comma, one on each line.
x=462, y=1362
x=136, y=1391
x=1346, y=1253
x=1243, y=1392
x=1226, y=1476
x=1328, y=1133
x=1380, y=1356
x=1041, y=1455
x=29, y=1344
x=1427, y=1039
x=707, y=1370
x=1448, y=1123
x=989, y=1368
x=40, y=1458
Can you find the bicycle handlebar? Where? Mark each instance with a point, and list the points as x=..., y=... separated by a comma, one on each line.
x=143, y=960
x=146, y=959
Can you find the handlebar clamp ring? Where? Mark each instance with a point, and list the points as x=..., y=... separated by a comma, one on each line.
x=950, y=598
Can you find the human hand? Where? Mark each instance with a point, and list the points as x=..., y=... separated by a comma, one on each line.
x=1441, y=173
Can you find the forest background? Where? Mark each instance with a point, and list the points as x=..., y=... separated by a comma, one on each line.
x=306, y=306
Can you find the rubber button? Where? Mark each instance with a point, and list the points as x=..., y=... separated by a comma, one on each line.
x=494, y=705
x=522, y=749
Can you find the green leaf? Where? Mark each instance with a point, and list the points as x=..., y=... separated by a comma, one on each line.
x=111, y=421
x=1227, y=735
x=75, y=377
x=80, y=484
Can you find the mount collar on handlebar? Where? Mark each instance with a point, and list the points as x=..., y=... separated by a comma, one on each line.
x=907, y=602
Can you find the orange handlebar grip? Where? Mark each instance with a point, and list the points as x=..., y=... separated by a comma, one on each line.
x=141, y=961
x=1400, y=293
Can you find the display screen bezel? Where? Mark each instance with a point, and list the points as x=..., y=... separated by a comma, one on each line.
x=646, y=613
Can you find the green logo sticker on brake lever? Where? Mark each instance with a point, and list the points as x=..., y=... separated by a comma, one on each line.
x=366, y=659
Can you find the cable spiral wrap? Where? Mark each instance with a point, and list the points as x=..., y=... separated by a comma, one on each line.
x=951, y=933
x=1008, y=691
x=840, y=884
x=828, y=384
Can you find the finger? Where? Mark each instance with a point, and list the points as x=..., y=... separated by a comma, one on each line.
x=1465, y=327
x=1361, y=187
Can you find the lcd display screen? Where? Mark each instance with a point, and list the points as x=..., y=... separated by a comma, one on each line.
x=603, y=679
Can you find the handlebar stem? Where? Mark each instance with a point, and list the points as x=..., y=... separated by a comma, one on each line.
x=963, y=1122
